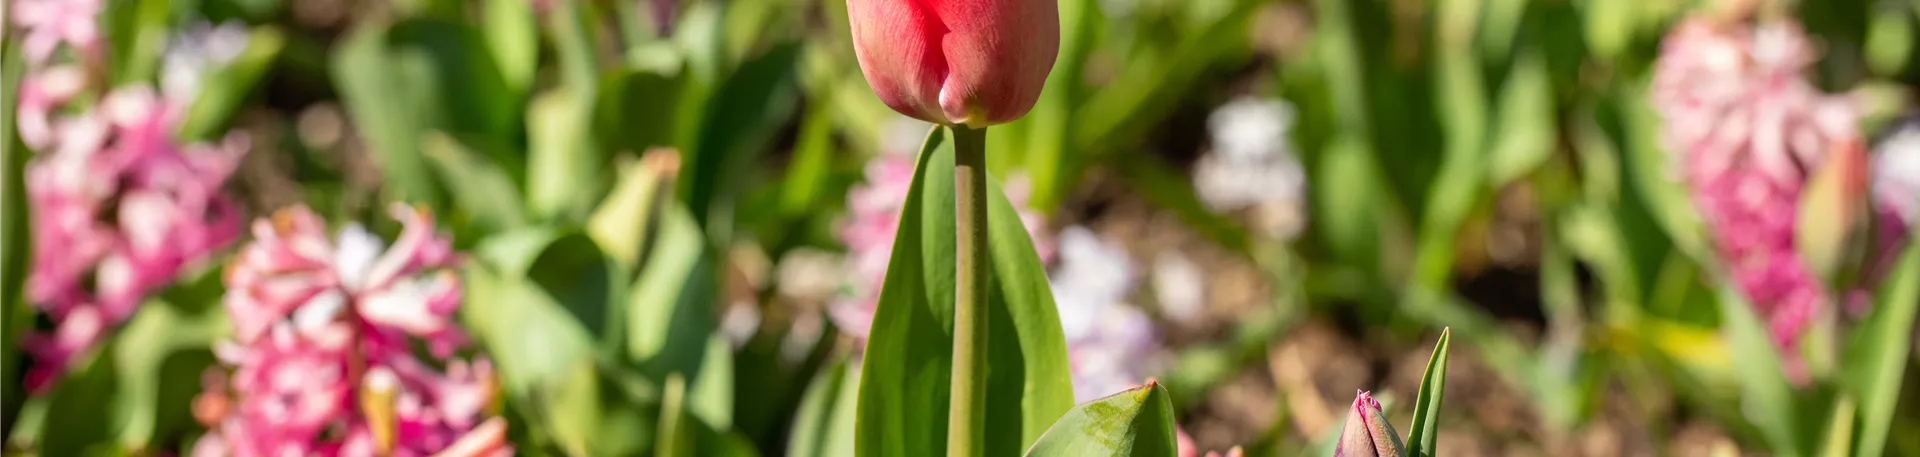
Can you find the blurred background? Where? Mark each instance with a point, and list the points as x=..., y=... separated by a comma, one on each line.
x=1655, y=227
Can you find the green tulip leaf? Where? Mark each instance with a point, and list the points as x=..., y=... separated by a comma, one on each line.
x=682, y=432
x=1526, y=128
x=513, y=40
x=574, y=274
x=909, y=356
x=670, y=315
x=160, y=356
x=483, y=193
x=675, y=437
x=564, y=166
x=14, y=314
x=545, y=355
x=1763, y=387
x=75, y=408
x=398, y=82
x=1878, y=359
x=739, y=124
x=823, y=426
x=136, y=32
x=639, y=108
x=1423, y=437
x=1134, y=423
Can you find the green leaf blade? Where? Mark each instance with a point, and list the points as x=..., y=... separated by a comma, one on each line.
x=14, y=314
x=906, y=374
x=1763, y=387
x=1423, y=437
x=823, y=426
x=1134, y=423
x=1882, y=354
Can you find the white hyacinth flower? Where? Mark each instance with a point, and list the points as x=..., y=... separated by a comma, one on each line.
x=1252, y=166
x=193, y=54
x=1896, y=173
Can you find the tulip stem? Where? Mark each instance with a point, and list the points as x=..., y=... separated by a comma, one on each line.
x=967, y=412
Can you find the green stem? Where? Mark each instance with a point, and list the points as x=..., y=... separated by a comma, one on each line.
x=967, y=412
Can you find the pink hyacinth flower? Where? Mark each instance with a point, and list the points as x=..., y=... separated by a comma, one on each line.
x=288, y=264
x=119, y=209
x=409, y=287
x=51, y=22
x=40, y=94
x=298, y=383
x=1111, y=345
x=78, y=330
x=1746, y=126
x=297, y=287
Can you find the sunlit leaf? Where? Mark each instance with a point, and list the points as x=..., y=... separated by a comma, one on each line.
x=1764, y=389
x=675, y=436
x=823, y=425
x=624, y=221
x=1889, y=45
x=1134, y=423
x=512, y=38
x=1877, y=361
x=136, y=34
x=565, y=169
x=670, y=315
x=1346, y=178
x=1423, y=436
x=544, y=355
x=1525, y=134
x=711, y=396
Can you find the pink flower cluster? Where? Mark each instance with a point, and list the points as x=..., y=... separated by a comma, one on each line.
x=322, y=359
x=49, y=23
x=873, y=214
x=1748, y=128
x=118, y=206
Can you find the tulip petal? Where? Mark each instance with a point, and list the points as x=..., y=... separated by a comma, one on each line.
x=976, y=63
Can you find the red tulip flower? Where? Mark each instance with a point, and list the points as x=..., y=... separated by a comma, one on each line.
x=956, y=62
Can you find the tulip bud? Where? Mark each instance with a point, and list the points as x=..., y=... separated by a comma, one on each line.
x=1832, y=207
x=956, y=62
x=1367, y=433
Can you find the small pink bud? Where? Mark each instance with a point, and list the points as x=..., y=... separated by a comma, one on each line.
x=971, y=62
x=1367, y=432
